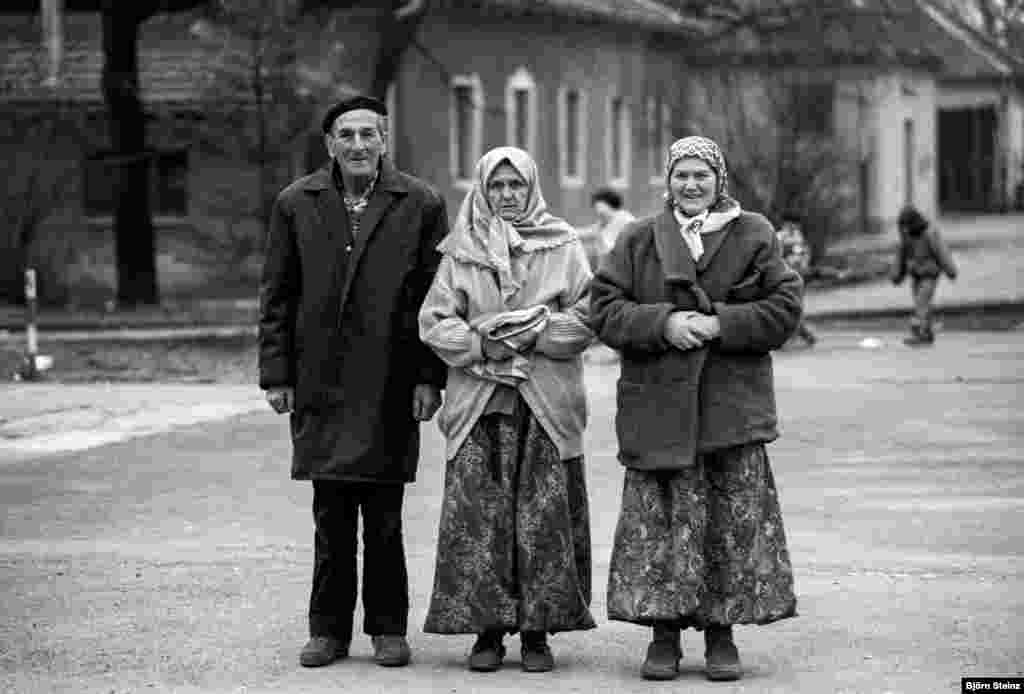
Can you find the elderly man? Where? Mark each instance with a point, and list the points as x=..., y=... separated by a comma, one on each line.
x=350, y=255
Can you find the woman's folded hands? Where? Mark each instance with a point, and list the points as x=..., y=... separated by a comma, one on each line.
x=689, y=329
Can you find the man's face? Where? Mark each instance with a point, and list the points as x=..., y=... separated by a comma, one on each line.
x=356, y=142
x=507, y=192
x=603, y=211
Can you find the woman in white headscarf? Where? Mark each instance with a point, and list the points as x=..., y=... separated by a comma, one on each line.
x=507, y=313
x=695, y=299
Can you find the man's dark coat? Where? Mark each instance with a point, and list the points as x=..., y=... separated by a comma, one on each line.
x=338, y=322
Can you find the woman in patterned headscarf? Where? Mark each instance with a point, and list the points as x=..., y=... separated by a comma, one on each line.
x=513, y=550
x=695, y=299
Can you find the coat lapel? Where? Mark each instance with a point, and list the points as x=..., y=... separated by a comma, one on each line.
x=676, y=261
x=713, y=244
x=390, y=188
x=331, y=218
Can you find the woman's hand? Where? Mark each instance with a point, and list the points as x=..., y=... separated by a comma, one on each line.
x=690, y=330
x=680, y=331
x=495, y=350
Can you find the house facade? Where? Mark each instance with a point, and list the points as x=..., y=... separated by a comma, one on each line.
x=587, y=86
x=591, y=97
x=922, y=108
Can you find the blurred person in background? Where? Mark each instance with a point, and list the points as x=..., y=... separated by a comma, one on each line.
x=924, y=257
x=797, y=255
x=612, y=218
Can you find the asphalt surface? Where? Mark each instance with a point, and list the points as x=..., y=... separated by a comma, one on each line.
x=180, y=561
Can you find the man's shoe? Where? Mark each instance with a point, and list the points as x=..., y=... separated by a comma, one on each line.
x=536, y=653
x=391, y=650
x=722, y=659
x=663, y=655
x=487, y=654
x=322, y=650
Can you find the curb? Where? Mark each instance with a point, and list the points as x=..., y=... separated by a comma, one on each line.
x=135, y=334
x=991, y=308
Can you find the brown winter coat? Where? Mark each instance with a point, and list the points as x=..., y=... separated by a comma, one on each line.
x=338, y=322
x=674, y=404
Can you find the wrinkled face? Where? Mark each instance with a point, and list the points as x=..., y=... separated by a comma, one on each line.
x=693, y=185
x=603, y=211
x=506, y=192
x=356, y=142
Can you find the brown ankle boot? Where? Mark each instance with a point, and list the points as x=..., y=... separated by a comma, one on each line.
x=722, y=659
x=663, y=654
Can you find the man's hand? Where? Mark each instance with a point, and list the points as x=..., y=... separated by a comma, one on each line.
x=681, y=330
x=426, y=399
x=495, y=350
x=281, y=399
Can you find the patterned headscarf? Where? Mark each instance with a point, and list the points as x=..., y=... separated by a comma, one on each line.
x=706, y=150
x=483, y=237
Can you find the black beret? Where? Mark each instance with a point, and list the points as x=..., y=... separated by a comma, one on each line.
x=352, y=104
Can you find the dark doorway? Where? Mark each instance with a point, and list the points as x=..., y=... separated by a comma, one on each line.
x=967, y=159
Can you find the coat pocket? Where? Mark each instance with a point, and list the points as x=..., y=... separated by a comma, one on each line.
x=657, y=424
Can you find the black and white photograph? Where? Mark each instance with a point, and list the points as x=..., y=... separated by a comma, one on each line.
x=470, y=346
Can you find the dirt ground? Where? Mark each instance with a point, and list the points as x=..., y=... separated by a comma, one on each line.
x=180, y=562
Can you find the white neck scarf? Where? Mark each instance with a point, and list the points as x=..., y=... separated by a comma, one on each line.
x=692, y=228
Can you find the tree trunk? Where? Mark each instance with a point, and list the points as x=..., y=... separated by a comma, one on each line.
x=135, y=241
x=397, y=31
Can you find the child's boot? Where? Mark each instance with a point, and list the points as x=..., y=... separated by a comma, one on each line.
x=722, y=659
x=663, y=654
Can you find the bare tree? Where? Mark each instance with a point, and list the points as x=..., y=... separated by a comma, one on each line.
x=134, y=236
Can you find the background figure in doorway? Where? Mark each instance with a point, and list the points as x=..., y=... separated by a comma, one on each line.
x=924, y=257
x=797, y=255
x=599, y=238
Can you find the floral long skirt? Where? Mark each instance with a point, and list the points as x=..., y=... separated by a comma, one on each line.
x=703, y=545
x=513, y=551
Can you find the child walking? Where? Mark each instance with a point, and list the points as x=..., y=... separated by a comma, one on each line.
x=924, y=257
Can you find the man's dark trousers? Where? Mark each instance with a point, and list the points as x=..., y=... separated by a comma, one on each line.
x=336, y=508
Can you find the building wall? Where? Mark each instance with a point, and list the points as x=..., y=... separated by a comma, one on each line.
x=557, y=54
x=1008, y=103
x=872, y=113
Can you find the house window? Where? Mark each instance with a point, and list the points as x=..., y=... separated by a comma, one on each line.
x=168, y=181
x=658, y=136
x=618, y=141
x=571, y=141
x=521, y=111
x=466, y=128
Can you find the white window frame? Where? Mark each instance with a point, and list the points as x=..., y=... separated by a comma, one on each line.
x=659, y=118
x=625, y=144
x=579, y=180
x=391, y=103
x=476, y=137
x=521, y=80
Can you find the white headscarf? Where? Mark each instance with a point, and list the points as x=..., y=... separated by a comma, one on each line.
x=480, y=234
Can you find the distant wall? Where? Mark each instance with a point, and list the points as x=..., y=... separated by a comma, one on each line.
x=558, y=53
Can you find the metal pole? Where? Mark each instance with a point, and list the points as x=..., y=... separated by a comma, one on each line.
x=30, y=372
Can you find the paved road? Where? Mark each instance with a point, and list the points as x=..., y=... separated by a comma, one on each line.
x=180, y=561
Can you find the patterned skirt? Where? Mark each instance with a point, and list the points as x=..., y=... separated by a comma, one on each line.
x=513, y=549
x=704, y=545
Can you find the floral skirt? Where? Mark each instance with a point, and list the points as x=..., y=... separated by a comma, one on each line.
x=513, y=551
x=703, y=545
